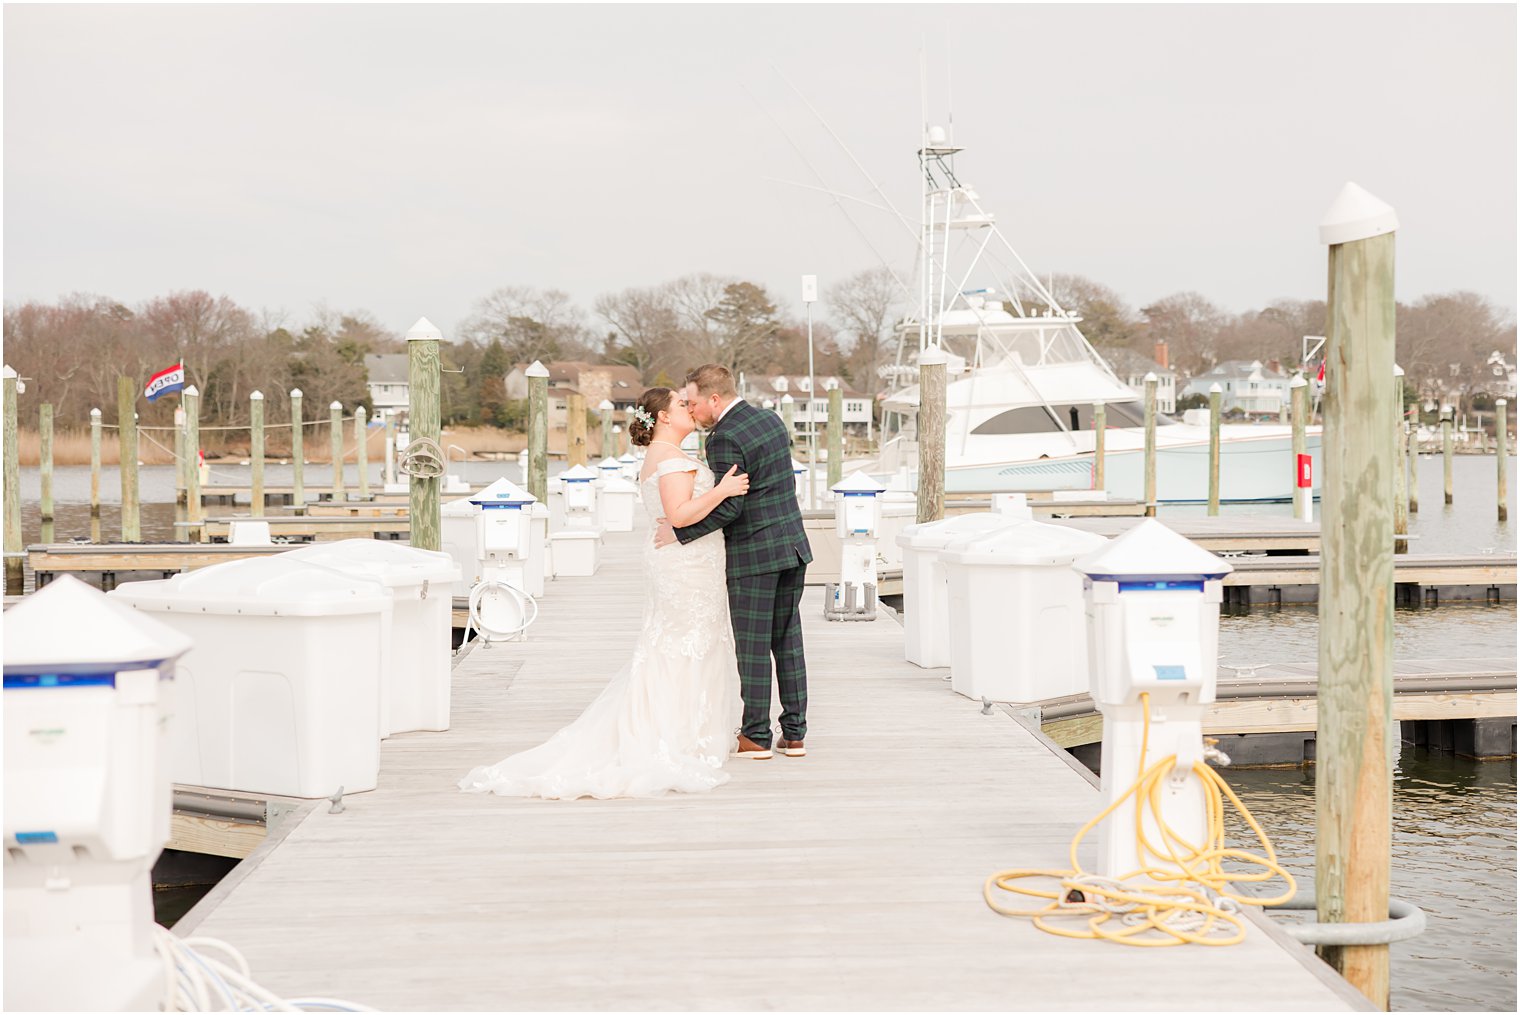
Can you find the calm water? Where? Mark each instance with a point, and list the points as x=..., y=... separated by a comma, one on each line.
x=1453, y=855
x=1454, y=820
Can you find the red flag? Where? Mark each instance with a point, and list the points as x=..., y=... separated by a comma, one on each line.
x=1321, y=377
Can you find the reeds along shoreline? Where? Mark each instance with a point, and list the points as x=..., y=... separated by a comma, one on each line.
x=72, y=447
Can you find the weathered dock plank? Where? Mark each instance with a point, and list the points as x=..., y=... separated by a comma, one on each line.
x=849, y=879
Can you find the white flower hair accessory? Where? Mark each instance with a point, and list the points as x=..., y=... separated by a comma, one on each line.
x=642, y=415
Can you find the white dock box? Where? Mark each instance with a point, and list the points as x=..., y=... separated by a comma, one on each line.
x=575, y=552
x=414, y=689
x=281, y=693
x=1018, y=629
x=459, y=538
x=926, y=597
x=619, y=499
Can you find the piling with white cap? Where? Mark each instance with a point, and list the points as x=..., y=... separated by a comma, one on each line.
x=14, y=574
x=297, y=454
x=335, y=426
x=1353, y=794
x=425, y=428
x=256, y=452
x=194, y=512
x=1216, y=393
x=94, y=475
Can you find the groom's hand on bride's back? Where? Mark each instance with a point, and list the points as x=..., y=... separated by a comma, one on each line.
x=664, y=533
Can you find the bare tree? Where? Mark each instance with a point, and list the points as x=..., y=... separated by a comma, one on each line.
x=530, y=323
x=1189, y=324
x=1107, y=321
x=646, y=322
x=867, y=305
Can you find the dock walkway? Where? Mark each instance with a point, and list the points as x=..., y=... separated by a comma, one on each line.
x=849, y=879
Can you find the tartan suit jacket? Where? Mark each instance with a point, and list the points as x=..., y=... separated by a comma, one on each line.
x=763, y=529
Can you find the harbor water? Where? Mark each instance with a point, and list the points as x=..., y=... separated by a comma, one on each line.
x=1454, y=819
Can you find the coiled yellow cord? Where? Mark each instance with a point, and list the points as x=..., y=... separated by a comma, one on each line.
x=1187, y=902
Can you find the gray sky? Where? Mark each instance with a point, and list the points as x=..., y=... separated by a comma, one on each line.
x=407, y=160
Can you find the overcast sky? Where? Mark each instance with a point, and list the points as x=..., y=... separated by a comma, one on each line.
x=407, y=160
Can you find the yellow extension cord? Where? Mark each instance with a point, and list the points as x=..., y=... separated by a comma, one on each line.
x=1189, y=902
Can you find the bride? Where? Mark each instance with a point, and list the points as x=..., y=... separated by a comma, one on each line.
x=666, y=721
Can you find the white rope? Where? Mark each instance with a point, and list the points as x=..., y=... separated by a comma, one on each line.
x=422, y=458
x=196, y=979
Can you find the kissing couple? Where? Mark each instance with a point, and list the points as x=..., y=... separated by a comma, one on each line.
x=722, y=582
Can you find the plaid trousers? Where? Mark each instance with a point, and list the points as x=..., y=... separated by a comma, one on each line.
x=763, y=608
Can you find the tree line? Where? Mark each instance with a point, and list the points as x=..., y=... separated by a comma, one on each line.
x=73, y=349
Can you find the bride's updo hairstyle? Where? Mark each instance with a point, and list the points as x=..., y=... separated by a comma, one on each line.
x=652, y=403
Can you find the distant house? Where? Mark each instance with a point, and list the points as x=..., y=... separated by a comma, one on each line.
x=1247, y=385
x=617, y=383
x=808, y=410
x=388, y=380
x=1502, y=371
x=1131, y=368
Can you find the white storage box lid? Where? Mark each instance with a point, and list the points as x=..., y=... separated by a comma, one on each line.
x=1025, y=543
x=67, y=627
x=936, y=535
x=389, y=562
x=461, y=508
x=259, y=586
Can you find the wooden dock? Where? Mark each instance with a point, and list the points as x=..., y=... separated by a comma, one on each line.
x=1221, y=534
x=849, y=879
x=1268, y=699
x=298, y=527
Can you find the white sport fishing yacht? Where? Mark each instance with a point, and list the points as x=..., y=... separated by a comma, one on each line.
x=1023, y=381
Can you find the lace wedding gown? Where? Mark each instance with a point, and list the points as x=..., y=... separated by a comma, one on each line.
x=666, y=722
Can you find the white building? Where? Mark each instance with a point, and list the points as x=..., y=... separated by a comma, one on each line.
x=1131, y=368
x=388, y=381
x=1254, y=389
x=809, y=410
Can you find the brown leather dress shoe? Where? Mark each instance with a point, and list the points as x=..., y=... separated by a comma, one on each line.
x=791, y=748
x=747, y=748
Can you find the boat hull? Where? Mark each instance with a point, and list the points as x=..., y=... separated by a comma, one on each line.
x=1254, y=470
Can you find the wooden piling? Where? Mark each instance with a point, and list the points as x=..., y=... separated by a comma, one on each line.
x=390, y=449
x=256, y=453
x=297, y=453
x=194, y=513
x=1446, y=451
x=1100, y=442
x=1414, y=466
x=1150, y=445
x=361, y=434
x=424, y=403
x=94, y=475
x=608, y=449
x=1400, y=480
x=181, y=488
x=15, y=571
x=575, y=429
x=538, y=431
x=335, y=425
x=836, y=436
x=1303, y=496
x=789, y=416
x=126, y=439
x=1501, y=445
x=1353, y=794
x=45, y=441
x=1216, y=394
x=931, y=435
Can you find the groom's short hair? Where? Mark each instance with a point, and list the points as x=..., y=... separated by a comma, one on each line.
x=713, y=379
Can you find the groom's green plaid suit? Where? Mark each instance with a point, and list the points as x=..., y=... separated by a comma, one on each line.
x=768, y=557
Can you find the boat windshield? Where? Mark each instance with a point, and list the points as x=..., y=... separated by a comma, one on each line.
x=1037, y=419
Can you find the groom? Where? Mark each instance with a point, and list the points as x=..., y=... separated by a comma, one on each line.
x=768, y=556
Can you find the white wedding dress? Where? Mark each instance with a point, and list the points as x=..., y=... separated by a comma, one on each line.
x=666, y=722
